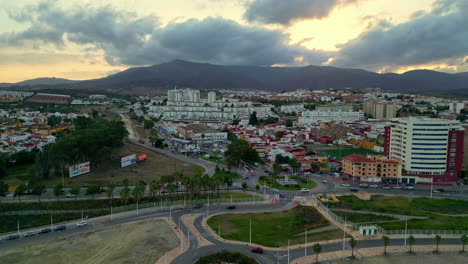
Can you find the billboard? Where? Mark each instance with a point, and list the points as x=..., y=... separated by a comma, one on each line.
x=142, y=157
x=79, y=169
x=128, y=160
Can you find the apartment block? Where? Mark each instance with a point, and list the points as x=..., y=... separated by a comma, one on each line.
x=380, y=110
x=372, y=168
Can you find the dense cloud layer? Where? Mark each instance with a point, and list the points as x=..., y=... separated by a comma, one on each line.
x=438, y=36
x=128, y=40
x=287, y=11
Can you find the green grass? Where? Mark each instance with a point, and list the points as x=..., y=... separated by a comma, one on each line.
x=270, y=228
x=345, y=151
x=424, y=207
x=302, y=183
x=362, y=218
x=215, y=160
x=17, y=173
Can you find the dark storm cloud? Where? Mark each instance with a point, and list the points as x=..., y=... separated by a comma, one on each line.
x=127, y=39
x=218, y=40
x=287, y=11
x=433, y=37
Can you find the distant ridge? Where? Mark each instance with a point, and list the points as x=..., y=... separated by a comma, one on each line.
x=182, y=73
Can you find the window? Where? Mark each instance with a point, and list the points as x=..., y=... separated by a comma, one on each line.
x=453, y=154
x=452, y=164
x=454, y=140
x=453, y=149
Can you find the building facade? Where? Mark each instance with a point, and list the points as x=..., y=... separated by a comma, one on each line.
x=380, y=110
x=371, y=168
x=310, y=117
x=431, y=150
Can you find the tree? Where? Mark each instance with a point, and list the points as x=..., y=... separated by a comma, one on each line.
x=3, y=166
x=3, y=189
x=58, y=190
x=148, y=124
x=437, y=240
x=253, y=121
x=295, y=165
x=39, y=190
x=137, y=192
x=93, y=190
x=19, y=191
x=464, y=241
x=317, y=249
x=244, y=185
x=125, y=182
x=276, y=168
x=289, y=123
x=386, y=242
x=352, y=244
x=411, y=241
x=203, y=136
x=461, y=118
x=75, y=191
x=53, y=121
x=240, y=150
x=110, y=192
x=257, y=187
x=125, y=195
x=235, y=122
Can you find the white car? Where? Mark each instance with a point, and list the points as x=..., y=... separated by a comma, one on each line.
x=304, y=190
x=346, y=185
x=82, y=223
x=374, y=186
x=69, y=195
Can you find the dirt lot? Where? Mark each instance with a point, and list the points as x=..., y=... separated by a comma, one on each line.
x=102, y=109
x=153, y=168
x=413, y=259
x=142, y=242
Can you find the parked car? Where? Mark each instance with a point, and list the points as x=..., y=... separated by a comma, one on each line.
x=374, y=186
x=325, y=181
x=397, y=187
x=353, y=190
x=69, y=195
x=304, y=190
x=12, y=237
x=30, y=234
x=409, y=187
x=231, y=207
x=346, y=185
x=386, y=187
x=257, y=250
x=60, y=228
x=363, y=185
x=82, y=223
x=45, y=230
x=281, y=195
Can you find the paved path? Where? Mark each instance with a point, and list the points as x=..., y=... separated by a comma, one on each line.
x=401, y=217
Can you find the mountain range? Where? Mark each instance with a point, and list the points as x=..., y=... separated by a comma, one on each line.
x=215, y=77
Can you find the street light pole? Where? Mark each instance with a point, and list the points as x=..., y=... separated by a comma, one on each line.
x=406, y=230
x=250, y=232
x=305, y=244
x=344, y=234
x=288, y=251
x=432, y=183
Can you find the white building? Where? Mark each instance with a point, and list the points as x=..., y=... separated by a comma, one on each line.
x=310, y=117
x=297, y=108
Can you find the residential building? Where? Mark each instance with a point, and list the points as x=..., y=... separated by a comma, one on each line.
x=372, y=168
x=335, y=108
x=310, y=117
x=199, y=132
x=380, y=110
x=431, y=150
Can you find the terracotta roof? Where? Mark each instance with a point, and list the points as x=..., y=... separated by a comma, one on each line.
x=361, y=158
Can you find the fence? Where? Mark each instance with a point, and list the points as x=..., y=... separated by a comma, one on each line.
x=163, y=205
x=353, y=226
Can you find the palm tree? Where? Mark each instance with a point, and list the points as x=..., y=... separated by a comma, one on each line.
x=464, y=240
x=125, y=195
x=437, y=240
x=110, y=192
x=137, y=193
x=153, y=188
x=411, y=241
x=317, y=249
x=172, y=188
x=353, y=244
x=386, y=242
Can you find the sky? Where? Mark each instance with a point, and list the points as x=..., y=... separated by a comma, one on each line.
x=86, y=39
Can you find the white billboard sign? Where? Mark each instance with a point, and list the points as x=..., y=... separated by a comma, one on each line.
x=79, y=169
x=128, y=160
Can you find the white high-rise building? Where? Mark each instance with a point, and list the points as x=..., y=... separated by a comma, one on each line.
x=211, y=97
x=428, y=148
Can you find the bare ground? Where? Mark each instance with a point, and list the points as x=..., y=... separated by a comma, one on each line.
x=142, y=242
x=413, y=259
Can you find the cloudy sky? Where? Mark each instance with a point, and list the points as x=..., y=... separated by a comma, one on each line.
x=83, y=39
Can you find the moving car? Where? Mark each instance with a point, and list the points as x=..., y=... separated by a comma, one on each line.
x=386, y=187
x=363, y=185
x=231, y=207
x=353, y=190
x=396, y=187
x=30, y=234
x=325, y=181
x=374, y=186
x=82, y=223
x=45, y=230
x=346, y=185
x=60, y=228
x=304, y=190
x=257, y=250
x=281, y=195
x=69, y=195
x=409, y=187
x=12, y=237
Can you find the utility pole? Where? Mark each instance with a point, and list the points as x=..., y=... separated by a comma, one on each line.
x=250, y=232
x=288, y=251
x=344, y=234
x=406, y=229
x=305, y=244
x=17, y=223
x=432, y=183
x=51, y=222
